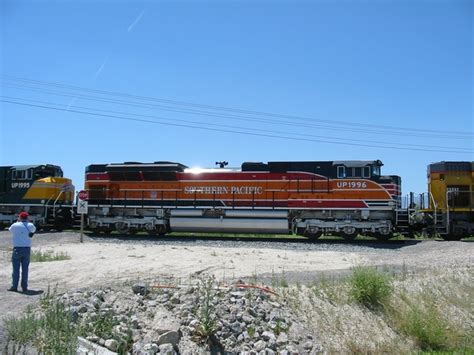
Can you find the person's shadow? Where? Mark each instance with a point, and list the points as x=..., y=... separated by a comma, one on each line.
x=33, y=292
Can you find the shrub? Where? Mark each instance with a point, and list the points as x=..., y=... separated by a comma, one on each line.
x=22, y=330
x=428, y=329
x=58, y=334
x=49, y=255
x=50, y=332
x=370, y=287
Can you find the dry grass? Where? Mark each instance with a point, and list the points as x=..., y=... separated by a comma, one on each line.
x=429, y=311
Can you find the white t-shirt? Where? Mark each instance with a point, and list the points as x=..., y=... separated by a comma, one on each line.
x=20, y=233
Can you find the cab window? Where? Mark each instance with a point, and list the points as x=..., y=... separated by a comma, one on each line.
x=366, y=172
x=341, y=171
x=376, y=171
x=18, y=174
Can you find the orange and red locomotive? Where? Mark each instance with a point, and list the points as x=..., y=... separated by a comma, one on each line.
x=306, y=198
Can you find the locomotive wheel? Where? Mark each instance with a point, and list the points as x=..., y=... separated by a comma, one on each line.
x=456, y=234
x=350, y=237
x=349, y=233
x=122, y=228
x=313, y=236
x=452, y=237
x=383, y=237
x=58, y=227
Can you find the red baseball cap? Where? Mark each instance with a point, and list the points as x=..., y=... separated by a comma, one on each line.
x=23, y=215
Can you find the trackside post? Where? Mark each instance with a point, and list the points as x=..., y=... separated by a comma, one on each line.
x=82, y=208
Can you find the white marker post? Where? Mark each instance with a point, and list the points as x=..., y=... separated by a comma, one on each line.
x=82, y=208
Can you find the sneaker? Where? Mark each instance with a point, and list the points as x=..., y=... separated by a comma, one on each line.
x=25, y=290
x=13, y=289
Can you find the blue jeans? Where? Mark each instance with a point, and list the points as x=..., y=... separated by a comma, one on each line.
x=20, y=257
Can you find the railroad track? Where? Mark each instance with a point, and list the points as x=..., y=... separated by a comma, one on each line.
x=183, y=237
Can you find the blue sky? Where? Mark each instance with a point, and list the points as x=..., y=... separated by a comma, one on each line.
x=406, y=64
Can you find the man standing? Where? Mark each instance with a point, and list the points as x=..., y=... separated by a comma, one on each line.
x=22, y=231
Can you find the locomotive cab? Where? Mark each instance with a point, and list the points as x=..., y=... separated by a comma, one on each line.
x=358, y=169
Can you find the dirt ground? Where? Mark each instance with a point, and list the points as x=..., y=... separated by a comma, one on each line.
x=98, y=261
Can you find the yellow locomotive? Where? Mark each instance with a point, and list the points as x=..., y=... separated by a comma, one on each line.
x=451, y=198
x=41, y=190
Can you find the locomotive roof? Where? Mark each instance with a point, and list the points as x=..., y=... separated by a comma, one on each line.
x=352, y=163
x=163, y=166
x=451, y=166
x=357, y=163
x=26, y=167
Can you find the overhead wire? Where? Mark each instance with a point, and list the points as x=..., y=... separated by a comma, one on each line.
x=384, y=128
x=226, y=116
x=225, y=130
x=223, y=125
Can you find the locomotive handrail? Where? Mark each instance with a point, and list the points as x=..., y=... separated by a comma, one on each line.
x=435, y=208
x=447, y=211
x=54, y=204
x=46, y=208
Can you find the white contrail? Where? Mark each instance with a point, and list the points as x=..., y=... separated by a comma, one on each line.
x=139, y=17
x=97, y=73
x=104, y=62
x=71, y=102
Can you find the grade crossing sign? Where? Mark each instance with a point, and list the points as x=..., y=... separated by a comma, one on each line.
x=83, y=195
x=82, y=207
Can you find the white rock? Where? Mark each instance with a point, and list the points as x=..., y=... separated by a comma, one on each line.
x=268, y=335
x=260, y=345
x=194, y=323
x=167, y=349
x=151, y=348
x=111, y=344
x=282, y=339
x=308, y=345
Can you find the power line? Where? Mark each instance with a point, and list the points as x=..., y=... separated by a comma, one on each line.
x=227, y=116
x=461, y=150
x=225, y=130
x=229, y=109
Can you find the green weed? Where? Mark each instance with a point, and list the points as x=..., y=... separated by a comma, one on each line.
x=370, y=287
x=49, y=255
x=206, y=311
x=103, y=327
x=251, y=330
x=51, y=331
x=426, y=327
x=22, y=330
